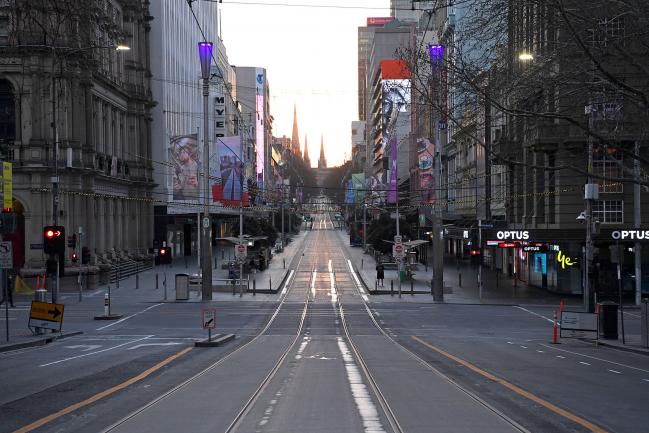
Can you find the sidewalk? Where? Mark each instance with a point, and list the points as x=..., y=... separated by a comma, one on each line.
x=497, y=290
x=130, y=297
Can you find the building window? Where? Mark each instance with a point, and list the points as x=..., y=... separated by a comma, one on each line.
x=610, y=168
x=609, y=211
x=608, y=31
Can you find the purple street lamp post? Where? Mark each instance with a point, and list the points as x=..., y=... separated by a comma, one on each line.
x=205, y=55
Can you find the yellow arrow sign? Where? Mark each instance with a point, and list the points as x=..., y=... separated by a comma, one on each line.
x=46, y=311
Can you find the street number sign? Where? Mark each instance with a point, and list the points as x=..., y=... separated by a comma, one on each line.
x=6, y=255
x=241, y=252
x=209, y=318
x=46, y=315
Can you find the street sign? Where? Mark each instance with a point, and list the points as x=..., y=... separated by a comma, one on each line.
x=398, y=251
x=398, y=239
x=206, y=222
x=209, y=318
x=46, y=315
x=6, y=255
x=578, y=325
x=241, y=252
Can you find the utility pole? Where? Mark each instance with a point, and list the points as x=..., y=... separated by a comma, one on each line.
x=205, y=53
x=55, y=179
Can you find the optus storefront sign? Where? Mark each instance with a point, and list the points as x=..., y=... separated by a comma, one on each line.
x=630, y=235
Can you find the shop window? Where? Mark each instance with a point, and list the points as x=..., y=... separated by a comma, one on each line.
x=609, y=211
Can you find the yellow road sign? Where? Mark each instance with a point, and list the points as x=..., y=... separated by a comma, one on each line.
x=7, y=185
x=46, y=315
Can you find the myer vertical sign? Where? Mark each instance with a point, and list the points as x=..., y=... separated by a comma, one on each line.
x=219, y=113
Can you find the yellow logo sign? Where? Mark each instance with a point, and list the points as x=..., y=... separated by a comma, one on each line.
x=564, y=260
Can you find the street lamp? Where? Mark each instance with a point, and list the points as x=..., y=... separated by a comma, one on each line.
x=282, y=165
x=524, y=56
x=205, y=55
x=436, y=53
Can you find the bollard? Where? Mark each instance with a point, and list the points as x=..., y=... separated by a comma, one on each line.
x=164, y=284
x=106, y=304
x=376, y=285
x=254, y=287
x=362, y=263
x=270, y=284
x=156, y=281
x=284, y=263
x=554, y=328
x=412, y=288
x=137, y=281
x=497, y=279
x=117, y=278
x=391, y=287
x=234, y=287
x=459, y=279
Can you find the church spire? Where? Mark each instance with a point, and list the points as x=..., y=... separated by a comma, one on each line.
x=305, y=156
x=295, y=138
x=322, y=162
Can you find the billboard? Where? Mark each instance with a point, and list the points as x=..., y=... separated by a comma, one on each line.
x=350, y=193
x=185, y=162
x=259, y=126
x=358, y=180
x=229, y=188
x=379, y=21
x=425, y=162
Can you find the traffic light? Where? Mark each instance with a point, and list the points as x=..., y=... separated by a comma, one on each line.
x=74, y=257
x=85, y=255
x=164, y=256
x=54, y=240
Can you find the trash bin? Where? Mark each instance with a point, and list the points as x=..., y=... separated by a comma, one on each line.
x=182, y=287
x=608, y=320
x=644, y=322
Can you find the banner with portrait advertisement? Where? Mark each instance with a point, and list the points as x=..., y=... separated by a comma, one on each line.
x=185, y=162
x=229, y=187
x=349, y=195
x=425, y=159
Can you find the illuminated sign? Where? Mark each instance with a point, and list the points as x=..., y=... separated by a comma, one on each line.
x=565, y=260
x=507, y=244
x=630, y=234
x=521, y=235
x=379, y=21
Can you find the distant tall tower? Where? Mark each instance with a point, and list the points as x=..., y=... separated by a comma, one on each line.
x=305, y=156
x=322, y=162
x=295, y=139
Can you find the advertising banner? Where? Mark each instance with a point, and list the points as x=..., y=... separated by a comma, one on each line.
x=260, y=122
x=229, y=188
x=358, y=180
x=425, y=158
x=349, y=196
x=185, y=161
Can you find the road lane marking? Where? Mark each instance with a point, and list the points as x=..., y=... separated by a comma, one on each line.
x=524, y=347
x=171, y=343
x=94, y=353
x=540, y=351
x=536, y=314
x=359, y=286
x=615, y=371
x=516, y=389
x=84, y=347
x=41, y=422
x=366, y=409
x=583, y=363
x=646, y=380
x=561, y=357
x=129, y=317
x=290, y=275
x=597, y=359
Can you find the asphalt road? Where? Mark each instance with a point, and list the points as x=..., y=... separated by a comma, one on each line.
x=322, y=356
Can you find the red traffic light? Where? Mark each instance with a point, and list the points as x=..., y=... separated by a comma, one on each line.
x=51, y=234
x=74, y=257
x=163, y=251
x=475, y=252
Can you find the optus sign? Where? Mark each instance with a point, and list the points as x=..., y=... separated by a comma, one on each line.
x=634, y=235
x=519, y=235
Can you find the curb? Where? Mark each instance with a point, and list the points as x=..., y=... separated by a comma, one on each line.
x=38, y=341
x=639, y=351
x=216, y=342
